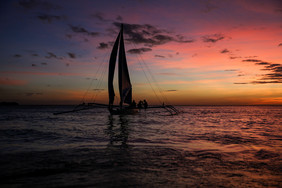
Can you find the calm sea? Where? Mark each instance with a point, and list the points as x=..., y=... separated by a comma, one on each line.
x=206, y=146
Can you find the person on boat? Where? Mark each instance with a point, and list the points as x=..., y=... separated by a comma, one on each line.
x=145, y=104
x=133, y=104
x=140, y=104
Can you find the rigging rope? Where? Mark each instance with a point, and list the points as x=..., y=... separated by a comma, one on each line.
x=100, y=81
x=92, y=79
x=149, y=81
x=102, y=69
x=95, y=77
x=153, y=79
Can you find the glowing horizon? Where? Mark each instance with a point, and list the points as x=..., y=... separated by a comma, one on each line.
x=200, y=53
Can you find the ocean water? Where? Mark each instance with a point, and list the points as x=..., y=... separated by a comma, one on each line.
x=206, y=146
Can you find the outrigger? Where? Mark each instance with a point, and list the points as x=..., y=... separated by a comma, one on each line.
x=125, y=87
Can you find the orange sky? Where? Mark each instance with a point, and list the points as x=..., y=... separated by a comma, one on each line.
x=192, y=52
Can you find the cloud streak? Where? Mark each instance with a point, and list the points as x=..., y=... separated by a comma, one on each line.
x=139, y=50
x=52, y=55
x=49, y=18
x=224, y=51
x=150, y=35
x=100, y=16
x=274, y=75
x=160, y=56
x=29, y=94
x=213, y=38
x=78, y=29
x=72, y=55
x=102, y=46
x=17, y=55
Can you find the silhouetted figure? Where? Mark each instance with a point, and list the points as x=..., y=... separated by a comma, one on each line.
x=140, y=104
x=145, y=104
x=133, y=104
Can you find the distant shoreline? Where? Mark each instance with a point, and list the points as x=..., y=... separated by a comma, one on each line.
x=9, y=104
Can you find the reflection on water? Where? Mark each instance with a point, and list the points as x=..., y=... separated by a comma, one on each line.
x=118, y=132
x=204, y=147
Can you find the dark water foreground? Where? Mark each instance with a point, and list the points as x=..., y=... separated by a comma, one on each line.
x=204, y=147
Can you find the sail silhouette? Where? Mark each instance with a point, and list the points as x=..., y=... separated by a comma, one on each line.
x=124, y=84
x=125, y=87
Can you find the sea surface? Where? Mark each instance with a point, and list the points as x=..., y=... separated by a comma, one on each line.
x=205, y=146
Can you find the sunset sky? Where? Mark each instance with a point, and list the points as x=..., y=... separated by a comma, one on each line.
x=205, y=52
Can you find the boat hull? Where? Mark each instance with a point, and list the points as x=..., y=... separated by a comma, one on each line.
x=126, y=111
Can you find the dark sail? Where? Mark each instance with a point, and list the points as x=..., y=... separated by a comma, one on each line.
x=125, y=88
x=112, y=65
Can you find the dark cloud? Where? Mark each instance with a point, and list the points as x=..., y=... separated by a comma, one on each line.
x=262, y=63
x=171, y=90
x=52, y=55
x=67, y=64
x=72, y=55
x=100, y=16
x=224, y=51
x=139, y=50
x=161, y=56
x=280, y=44
x=17, y=55
x=278, y=10
x=43, y=63
x=103, y=45
x=241, y=75
x=149, y=35
x=208, y=6
x=49, y=18
x=271, y=66
x=98, y=89
x=266, y=82
x=213, y=38
x=34, y=55
x=33, y=65
x=251, y=60
x=78, y=29
x=234, y=57
x=274, y=75
x=68, y=36
x=32, y=94
x=119, y=18
x=90, y=78
x=35, y=4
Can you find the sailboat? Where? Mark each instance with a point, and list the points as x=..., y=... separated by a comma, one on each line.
x=125, y=87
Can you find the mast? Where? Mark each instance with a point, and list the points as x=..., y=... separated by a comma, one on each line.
x=125, y=87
